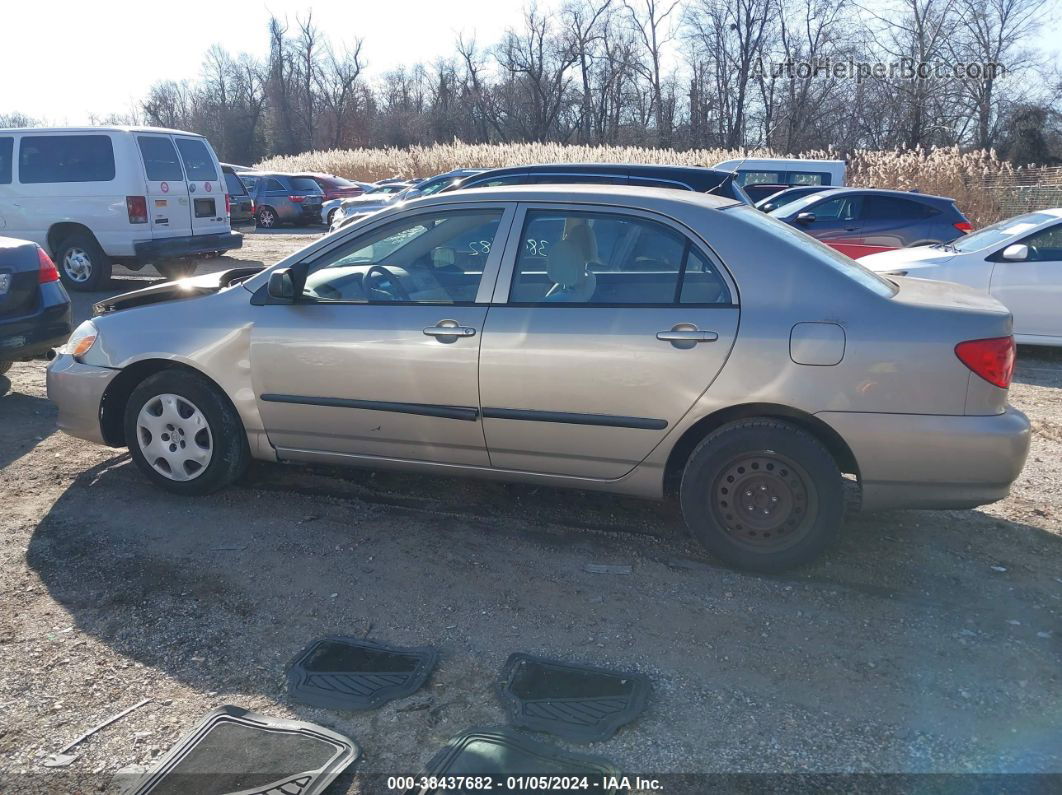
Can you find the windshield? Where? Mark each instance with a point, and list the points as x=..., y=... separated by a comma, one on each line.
x=829, y=256
x=796, y=205
x=999, y=233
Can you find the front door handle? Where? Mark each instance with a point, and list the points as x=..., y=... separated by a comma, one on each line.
x=450, y=329
x=687, y=335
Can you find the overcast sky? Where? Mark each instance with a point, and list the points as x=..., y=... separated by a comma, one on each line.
x=66, y=59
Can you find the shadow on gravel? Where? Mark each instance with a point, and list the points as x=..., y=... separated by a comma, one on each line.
x=25, y=421
x=221, y=592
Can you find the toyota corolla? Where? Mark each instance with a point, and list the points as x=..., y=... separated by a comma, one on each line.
x=640, y=341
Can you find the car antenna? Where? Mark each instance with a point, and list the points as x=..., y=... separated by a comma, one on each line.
x=733, y=174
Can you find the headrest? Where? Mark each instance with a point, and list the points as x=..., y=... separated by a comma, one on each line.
x=566, y=265
x=579, y=231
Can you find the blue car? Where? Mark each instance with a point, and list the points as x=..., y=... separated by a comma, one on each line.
x=34, y=306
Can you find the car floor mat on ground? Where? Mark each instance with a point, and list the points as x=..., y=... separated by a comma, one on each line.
x=577, y=702
x=351, y=673
x=233, y=750
x=503, y=754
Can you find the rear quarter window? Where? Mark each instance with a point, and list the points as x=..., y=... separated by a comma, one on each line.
x=305, y=183
x=7, y=146
x=65, y=158
x=233, y=185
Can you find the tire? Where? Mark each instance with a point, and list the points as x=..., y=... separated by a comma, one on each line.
x=176, y=269
x=82, y=264
x=167, y=397
x=5, y=366
x=763, y=495
x=266, y=217
x=331, y=218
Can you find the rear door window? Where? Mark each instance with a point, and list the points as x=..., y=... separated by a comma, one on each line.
x=234, y=186
x=197, y=160
x=274, y=185
x=160, y=158
x=65, y=158
x=888, y=208
x=7, y=146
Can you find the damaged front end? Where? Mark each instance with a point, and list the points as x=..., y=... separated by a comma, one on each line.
x=192, y=287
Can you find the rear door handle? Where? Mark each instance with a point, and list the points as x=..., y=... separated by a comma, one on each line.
x=686, y=335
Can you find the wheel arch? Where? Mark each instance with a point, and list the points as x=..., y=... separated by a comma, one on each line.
x=680, y=452
x=58, y=232
x=116, y=396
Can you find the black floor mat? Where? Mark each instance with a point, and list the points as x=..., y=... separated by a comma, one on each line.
x=576, y=702
x=235, y=751
x=503, y=754
x=350, y=673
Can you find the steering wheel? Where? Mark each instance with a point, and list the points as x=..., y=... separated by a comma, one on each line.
x=398, y=290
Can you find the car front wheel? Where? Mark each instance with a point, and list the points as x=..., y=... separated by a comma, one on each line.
x=184, y=434
x=763, y=494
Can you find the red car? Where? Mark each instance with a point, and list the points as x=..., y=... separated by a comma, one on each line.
x=335, y=187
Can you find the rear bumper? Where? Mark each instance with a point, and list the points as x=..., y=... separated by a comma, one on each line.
x=150, y=251
x=930, y=461
x=77, y=390
x=34, y=335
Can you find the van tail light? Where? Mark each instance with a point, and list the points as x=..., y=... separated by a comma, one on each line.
x=228, y=205
x=297, y=199
x=47, y=271
x=964, y=226
x=992, y=359
x=137, y=207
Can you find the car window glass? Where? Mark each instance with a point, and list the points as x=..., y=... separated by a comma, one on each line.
x=571, y=257
x=650, y=182
x=881, y=208
x=807, y=178
x=839, y=209
x=701, y=281
x=65, y=158
x=1045, y=245
x=198, y=163
x=160, y=158
x=759, y=177
x=305, y=184
x=433, y=258
x=233, y=185
x=1007, y=230
x=494, y=182
x=274, y=184
x=6, y=148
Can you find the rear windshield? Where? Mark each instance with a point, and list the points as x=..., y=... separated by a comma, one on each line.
x=828, y=256
x=197, y=160
x=65, y=158
x=305, y=183
x=160, y=158
x=233, y=186
x=999, y=233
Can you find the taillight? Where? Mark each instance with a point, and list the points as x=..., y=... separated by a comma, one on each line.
x=297, y=199
x=137, y=207
x=228, y=205
x=964, y=226
x=992, y=359
x=46, y=272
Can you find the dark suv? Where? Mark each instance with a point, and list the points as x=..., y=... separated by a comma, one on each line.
x=862, y=221
x=34, y=307
x=695, y=178
x=283, y=198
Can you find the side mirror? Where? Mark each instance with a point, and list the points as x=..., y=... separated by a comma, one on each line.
x=1019, y=252
x=281, y=286
x=768, y=207
x=805, y=218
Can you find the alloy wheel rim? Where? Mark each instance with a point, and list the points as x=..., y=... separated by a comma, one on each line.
x=764, y=501
x=174, y=437
x=77, y=265
x=265, y=218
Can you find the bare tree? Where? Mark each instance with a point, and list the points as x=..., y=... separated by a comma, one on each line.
x=651, y=21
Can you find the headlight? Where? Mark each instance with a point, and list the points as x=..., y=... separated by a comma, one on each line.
x=82, y=340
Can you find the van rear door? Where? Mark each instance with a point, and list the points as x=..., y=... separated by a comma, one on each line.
x=206, y=191
x=168, y=206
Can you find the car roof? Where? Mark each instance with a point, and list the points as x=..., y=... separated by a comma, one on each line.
x=621, y=195
x=644, y=168
x=102, y=128
x=898, y=194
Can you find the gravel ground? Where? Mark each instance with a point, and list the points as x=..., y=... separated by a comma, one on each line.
x=925, y=642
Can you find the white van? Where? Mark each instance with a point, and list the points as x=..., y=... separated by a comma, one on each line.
x=785, y=171
x=94, y=196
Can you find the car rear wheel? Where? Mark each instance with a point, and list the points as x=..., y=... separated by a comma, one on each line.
x=184, y=434
x=177, y=269
x=82, y=264
x=266, y=217
x=763, y=495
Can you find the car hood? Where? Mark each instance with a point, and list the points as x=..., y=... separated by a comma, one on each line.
x=192, y=287
x=918, y=255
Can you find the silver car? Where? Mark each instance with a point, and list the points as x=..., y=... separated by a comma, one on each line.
x=639, y=341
